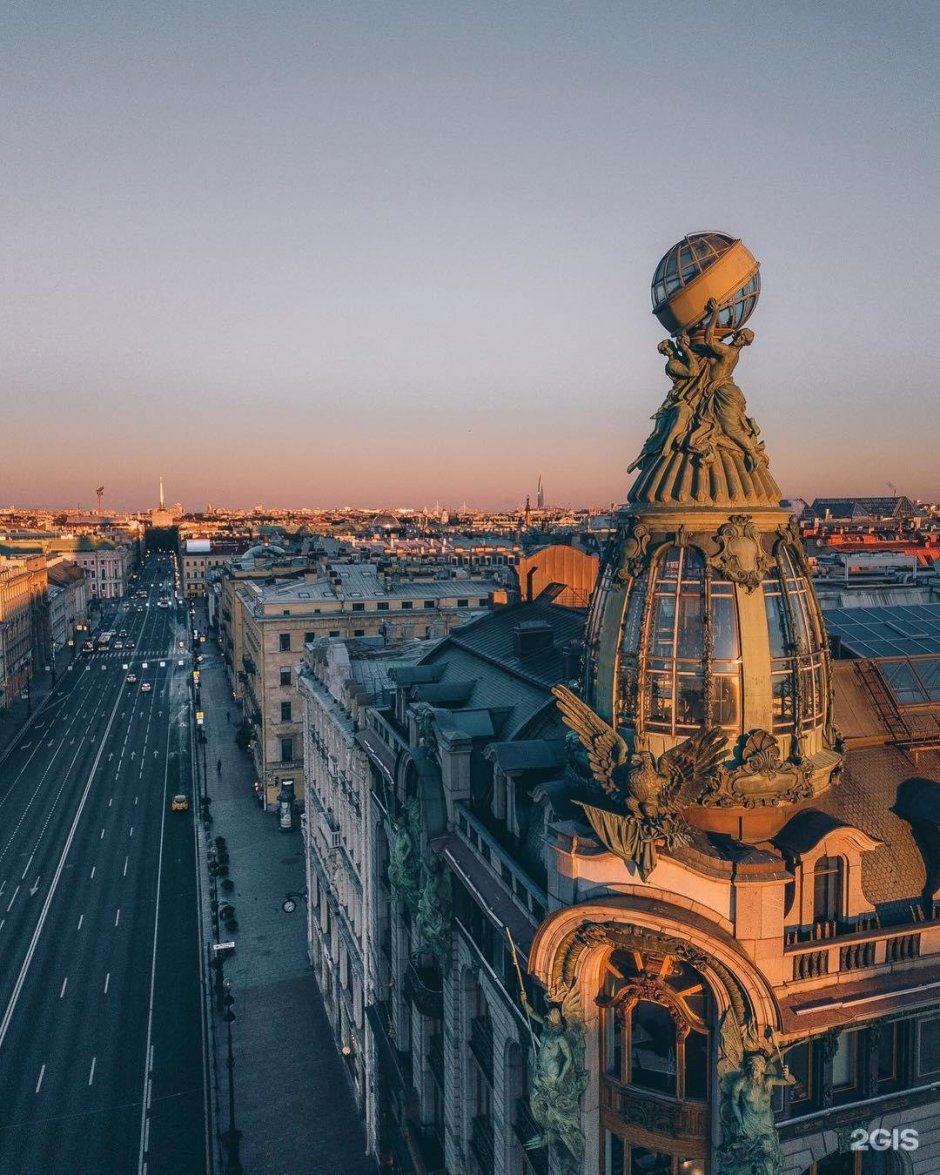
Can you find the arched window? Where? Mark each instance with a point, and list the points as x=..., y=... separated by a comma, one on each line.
x=656, y=1025
x=828, y=889
x=685, y=626
x=796, y=648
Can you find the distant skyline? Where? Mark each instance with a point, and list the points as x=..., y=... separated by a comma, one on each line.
x=385, y=254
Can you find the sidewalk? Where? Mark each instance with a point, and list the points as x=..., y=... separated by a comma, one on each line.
x=293, y=1103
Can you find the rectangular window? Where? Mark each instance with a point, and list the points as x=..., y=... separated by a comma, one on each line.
x=928, y=1047
x=383, y=606
x=285, y=711
x=359, y=632
x=430, y=603
x=407, y=604
x=463, y=603
x=334, y=632
x=800, y=1060
x=888, y=1052
x=284, y=642
x=309, y=636
x=614, y=1156
x=359, y=607
x=285, y=675
x=844, y=1064
x=287, y=750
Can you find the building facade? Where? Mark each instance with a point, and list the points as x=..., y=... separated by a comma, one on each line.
x=24, y=623
x=68, y=603
x=672, y=906
x=277, y=620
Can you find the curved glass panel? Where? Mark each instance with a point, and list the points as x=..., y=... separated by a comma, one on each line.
x=796, y=649
x=630, y=645
x=685, y=261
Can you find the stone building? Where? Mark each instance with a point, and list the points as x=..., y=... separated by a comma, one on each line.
x=338, y=681
x=277, y=620
x=106, y=565
x=199, y=558
x=708, y=854
x=24, y=623
x=68, y=602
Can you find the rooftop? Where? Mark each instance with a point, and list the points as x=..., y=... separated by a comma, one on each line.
x=899, y=631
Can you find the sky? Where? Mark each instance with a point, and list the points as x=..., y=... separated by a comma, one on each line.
x=392, y=253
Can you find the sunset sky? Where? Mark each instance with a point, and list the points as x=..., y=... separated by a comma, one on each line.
x=309, y=253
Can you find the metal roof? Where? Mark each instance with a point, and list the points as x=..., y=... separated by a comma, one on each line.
x=886, y=632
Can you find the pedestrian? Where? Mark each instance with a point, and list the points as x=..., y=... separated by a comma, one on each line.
x=228, y=716
x=218, y=766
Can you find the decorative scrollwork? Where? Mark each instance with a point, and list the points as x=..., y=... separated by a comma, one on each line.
x=741, y=556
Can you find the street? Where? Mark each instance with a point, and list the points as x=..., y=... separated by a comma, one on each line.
x=102, y=1054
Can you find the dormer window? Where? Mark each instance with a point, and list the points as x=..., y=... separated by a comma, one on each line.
x=828, y=889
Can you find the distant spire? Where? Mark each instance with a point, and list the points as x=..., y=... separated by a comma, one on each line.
x=161, y=493
x=540, y=495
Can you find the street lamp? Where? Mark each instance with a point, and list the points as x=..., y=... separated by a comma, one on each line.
x=232, y=1135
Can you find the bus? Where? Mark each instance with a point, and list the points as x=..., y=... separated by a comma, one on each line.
x=103, y=640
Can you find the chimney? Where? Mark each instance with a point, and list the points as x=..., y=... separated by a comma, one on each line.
x=530, y=637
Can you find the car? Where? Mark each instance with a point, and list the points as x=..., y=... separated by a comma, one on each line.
x=179, y=804
x=132, y=678
x=146, y=687
x=118, y=645
x=128, y=644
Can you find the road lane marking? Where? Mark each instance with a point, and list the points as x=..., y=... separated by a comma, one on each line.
x=35, y=886
x=64, y=983
x=3, y=887
x=91, y=1071
x=117, y=916
x=50, y=895
x=80, y=921
x=131, y=833
x=28, y=863
x=144, y=1112
x=110, y=801
x=93, y=868
x=107, y=980
x=42, y=1073
x=126, y=859
x=102, y=834
x=13, y=899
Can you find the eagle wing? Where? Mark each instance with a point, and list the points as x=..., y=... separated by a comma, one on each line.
x=689, y=765
x=606, y=750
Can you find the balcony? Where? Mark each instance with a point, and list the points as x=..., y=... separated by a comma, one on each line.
x=424, y=986
x=481, y=1045
x=481, y=1143
x=862, y=949
x=665, y=1116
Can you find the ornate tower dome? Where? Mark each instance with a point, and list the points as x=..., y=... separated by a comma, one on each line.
x=706, y=698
